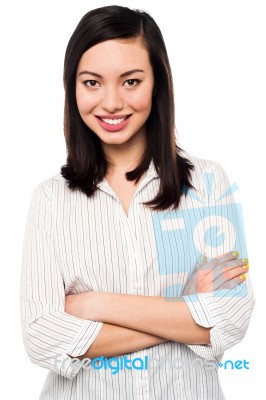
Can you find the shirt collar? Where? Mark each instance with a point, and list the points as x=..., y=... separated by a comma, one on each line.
x=150, y=174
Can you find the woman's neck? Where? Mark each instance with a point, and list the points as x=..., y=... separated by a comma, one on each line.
x=125, y=157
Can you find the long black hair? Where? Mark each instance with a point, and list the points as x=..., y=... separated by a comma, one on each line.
x=86, y=163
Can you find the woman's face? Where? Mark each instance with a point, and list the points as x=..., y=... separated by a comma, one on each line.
x=114, y=87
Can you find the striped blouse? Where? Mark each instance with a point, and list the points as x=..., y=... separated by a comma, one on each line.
x=74, y=244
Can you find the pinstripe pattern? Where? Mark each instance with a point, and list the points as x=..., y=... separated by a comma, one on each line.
x=74, y=244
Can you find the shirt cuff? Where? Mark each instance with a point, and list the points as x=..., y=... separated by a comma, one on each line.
x=202, y=307
x=70, y=366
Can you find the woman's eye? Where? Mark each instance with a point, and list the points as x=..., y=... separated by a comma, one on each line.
x=91, y=83
x=132, y=82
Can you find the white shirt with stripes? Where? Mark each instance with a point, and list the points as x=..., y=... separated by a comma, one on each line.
x=75, y=244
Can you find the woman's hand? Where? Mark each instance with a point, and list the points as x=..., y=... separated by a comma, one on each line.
x=223, y=272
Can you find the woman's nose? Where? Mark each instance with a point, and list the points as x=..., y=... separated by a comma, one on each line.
x=112, y=100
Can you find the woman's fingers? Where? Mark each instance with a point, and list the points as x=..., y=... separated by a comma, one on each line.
x=233, y=272
x=231, y=284
x=221, y=260
x=230, y=269
x=225, y=271
x=230, y=278
x=222, y=272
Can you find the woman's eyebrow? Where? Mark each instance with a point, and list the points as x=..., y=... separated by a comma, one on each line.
x=132, y=71
x=127, y=73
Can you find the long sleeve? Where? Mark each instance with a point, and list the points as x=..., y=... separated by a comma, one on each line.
x=226, y=312
x=50, y=335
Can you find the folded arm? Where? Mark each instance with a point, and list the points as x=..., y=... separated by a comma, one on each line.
x=152, y=315
x=143, y=321
x=51, y=336
x=113, y=341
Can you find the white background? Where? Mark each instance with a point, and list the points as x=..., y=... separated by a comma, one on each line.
x=217, y=52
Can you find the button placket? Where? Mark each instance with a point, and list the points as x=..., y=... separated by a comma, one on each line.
x=131, y=243
x=141, y=379
x=130, y=226
x=138, y=284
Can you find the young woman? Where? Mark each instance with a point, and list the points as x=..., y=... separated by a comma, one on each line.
x=135, y=251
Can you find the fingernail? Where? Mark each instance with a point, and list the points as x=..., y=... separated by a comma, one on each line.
x=244, y=260
x=246, y=266
x=243, y=276
x=235, y=253
x=204, y=260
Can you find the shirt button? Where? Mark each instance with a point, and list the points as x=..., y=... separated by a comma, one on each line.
x=143, y=384
x=137, y=287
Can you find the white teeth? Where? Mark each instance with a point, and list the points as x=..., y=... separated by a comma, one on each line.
x=113, y=121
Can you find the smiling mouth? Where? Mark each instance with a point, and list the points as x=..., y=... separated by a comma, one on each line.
x=113, y=120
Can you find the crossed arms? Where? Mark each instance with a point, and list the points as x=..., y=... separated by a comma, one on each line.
x=133, y=322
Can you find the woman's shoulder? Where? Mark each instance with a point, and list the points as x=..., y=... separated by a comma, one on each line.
x=208, y=176
x=47, y=186
x=202, y=165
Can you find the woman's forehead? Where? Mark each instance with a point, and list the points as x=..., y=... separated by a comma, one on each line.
x=116, y=52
